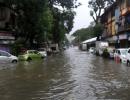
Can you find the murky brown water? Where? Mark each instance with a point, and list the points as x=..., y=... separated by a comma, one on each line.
x=72, y=75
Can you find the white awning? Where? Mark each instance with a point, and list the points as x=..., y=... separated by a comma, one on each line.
x=90, y=40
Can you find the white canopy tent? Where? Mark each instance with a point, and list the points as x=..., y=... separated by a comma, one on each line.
x=90, y=40
x=85, y=44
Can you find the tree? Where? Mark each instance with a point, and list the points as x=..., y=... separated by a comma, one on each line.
x=34, y=19
x=98, y=7
x=42, y=20
x=63, y=23
x=87, y=33
x=84, y=34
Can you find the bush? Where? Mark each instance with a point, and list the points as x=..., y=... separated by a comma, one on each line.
x=16, y=47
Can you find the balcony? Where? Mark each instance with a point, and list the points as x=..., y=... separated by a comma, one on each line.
x=120, y=29
x=106, y=34
x=123, y=28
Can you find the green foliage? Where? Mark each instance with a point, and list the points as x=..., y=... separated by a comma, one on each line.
x=42, y=20
x=45, y=24
x=98, y=29
x=17, y=46
x=68, y=4
x=87, y=33
x=63, y=23
x=84, y=34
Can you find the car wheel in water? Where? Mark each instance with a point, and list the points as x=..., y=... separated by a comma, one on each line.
x=42, y=57
x=120, y=61
x=14, y=61
x=29, y=59
x=128, y=63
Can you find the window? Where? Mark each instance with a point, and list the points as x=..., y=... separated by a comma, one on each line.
x=4, y=54
x=119, y=52
x=123, y=4
x=35, y=52
x=129, y=51
x=128, y=3
x=31, y=52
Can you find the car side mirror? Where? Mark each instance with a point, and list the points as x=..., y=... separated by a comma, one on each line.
x=8, y=55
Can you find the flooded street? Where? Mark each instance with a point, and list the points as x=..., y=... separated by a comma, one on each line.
x=71, y=75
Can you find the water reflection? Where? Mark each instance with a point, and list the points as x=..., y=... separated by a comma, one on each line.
x=71, y=75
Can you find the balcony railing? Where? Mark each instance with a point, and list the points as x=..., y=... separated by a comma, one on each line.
x=123, y=28
x=106, y=34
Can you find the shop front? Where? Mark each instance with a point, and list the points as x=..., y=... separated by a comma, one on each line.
x=112, y=41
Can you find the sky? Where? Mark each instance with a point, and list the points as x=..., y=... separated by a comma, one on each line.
x=82, y=18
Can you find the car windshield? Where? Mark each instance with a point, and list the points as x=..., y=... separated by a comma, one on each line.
x=30, y=51
x=5, y=54
x=123, y=52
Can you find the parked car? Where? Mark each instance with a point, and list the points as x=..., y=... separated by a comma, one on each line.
x=43, y=52
x=111, y=51
x=6, y=57
x=128, y=57
x=30, y=55
x=120, y=55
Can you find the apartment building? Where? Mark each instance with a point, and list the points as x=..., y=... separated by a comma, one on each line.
x=116, y=22
x=7, y=26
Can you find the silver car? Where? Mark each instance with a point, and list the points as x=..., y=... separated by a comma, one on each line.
x=6, y=57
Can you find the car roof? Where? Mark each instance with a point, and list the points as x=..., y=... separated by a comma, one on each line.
x=122, y=49
x=31, y=50
x=3, y=51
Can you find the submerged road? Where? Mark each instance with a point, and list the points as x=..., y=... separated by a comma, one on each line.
x=71, y=75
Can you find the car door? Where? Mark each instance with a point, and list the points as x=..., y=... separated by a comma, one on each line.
x=33, y=54
x=36, y=54
x=128, y=55
x=119, y=54
x=4, y=57
x=115, y=54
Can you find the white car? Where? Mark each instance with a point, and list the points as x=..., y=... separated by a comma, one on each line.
x=128, y=57
x=43, y=52
x=6, y=57
x=111, y=52
x=120, y=55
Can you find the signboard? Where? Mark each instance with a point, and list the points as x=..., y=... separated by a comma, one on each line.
x=112, y=39
x=7, y=37
x=122, y=36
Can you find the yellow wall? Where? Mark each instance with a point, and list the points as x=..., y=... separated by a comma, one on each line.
x=113, y=28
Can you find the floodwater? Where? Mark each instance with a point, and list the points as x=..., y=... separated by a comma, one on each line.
x=71, y=75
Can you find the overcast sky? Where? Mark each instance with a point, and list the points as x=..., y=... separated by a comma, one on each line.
x=82, y=18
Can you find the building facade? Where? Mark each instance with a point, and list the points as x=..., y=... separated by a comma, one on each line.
x=116, y=22
x=7, y=26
